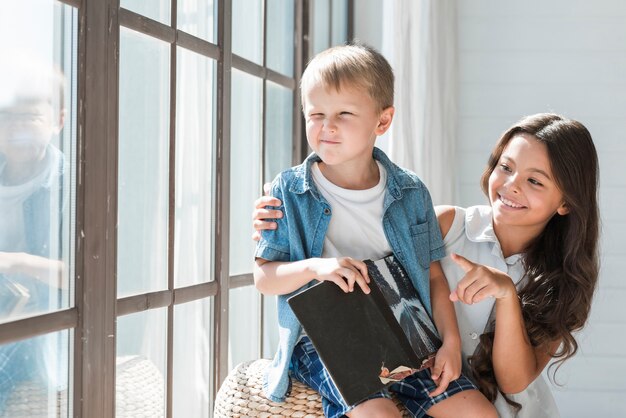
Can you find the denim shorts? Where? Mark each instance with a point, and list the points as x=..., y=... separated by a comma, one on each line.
x=307, y=368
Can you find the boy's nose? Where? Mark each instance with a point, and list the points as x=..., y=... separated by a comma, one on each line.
x=329, y=126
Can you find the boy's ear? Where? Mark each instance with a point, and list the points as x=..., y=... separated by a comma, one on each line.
x=563, y=209
x=384, y=120
x=59, y=126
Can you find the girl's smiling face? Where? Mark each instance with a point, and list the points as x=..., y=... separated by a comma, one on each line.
x=522, y=188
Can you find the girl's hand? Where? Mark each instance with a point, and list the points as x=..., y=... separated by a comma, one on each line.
x=260, y=213
x=343, y=271
x=480, y=282
x=446, y=369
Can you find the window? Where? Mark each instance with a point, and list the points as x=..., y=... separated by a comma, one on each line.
x=169, y=117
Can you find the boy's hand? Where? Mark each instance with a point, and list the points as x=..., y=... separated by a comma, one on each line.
x=480, y=282
x=343, y=271
x=260, y=213
x=446, y=369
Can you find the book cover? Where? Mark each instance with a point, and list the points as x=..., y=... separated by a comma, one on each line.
x=368, y=341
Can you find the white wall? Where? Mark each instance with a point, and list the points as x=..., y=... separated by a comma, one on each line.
x=566, y=56
x=569, y=57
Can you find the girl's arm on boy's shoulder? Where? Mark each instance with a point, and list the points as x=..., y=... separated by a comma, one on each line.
x=448, y=360
x=284, y=277
x=516, y=362
x=445, y=216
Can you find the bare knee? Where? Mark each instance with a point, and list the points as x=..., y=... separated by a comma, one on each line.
x=467, y=404
x=374, y=408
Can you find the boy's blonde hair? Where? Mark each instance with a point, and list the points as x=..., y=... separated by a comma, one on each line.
x=354, y=65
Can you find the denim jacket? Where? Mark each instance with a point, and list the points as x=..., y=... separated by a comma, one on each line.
x=409, y=223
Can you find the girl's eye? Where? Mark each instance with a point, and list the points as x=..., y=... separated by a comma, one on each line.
x=534, y=182
x=505, y=167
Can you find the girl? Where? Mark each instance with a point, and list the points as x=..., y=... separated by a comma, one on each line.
x=523, y=269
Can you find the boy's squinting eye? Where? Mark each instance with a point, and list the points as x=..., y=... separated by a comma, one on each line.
x=346, y=113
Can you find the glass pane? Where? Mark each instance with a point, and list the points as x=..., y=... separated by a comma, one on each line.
x=280, y=36
x=245, y=167
x=193, y=358
x=143, y=164
x=247, y=30
x=321, y=25
x=141, y=369
x=158, y=10
x=278, y=130
x=34, y=377
x=340, y=22
x=243, y=325
x=194, y=168
x=197, y=17
x=37, y=157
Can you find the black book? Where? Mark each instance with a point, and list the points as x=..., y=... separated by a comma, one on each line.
x=368, y=341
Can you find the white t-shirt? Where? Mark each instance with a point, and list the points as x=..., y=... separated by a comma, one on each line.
x=356, y=224
x=472, y=236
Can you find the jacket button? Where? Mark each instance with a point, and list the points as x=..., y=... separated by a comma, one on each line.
x=326, y=211
x=474, y=335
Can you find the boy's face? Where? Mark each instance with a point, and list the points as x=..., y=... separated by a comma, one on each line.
x=342, y=126
x=26, y=129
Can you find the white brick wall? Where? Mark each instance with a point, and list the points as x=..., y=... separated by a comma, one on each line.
x=566, y=56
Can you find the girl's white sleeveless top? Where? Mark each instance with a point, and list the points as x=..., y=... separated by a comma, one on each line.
x=473, y=237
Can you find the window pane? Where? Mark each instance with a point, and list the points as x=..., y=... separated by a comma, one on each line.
x=37, y=157
x=193, y=358
x=141, y=364
x=340, y=22
x=245, y=175
x=280, y=36
x=34, y=376
x=247, y=30
x=197, y=17
x=194, y=168
x=278, y=130
x=243, y=325
x=143, y=164
x=321, y=25
x=158, y=10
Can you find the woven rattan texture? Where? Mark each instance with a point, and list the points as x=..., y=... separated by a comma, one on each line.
x=241, y=396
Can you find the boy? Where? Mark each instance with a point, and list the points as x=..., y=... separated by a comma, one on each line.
x=345, y=203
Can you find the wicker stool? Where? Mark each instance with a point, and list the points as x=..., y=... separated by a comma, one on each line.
x=241, y=396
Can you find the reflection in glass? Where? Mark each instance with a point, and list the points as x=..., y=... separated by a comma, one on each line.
x=143, y=164
x=158, y=10
x=243, y=325
x=247, y=31
x=278, y=130
x=245, y=170
x=280, y=35
x=37, y=177
x=194, y=168
x=197, y=18
x=141, y=364
x=193, y=359
x=44, y=389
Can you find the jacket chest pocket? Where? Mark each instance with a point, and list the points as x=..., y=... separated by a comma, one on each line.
x=421, y=243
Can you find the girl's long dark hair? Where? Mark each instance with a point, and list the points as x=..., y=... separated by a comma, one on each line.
x=562, y=262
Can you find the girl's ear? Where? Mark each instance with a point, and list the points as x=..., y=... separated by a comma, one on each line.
x=384, y=120
x=563, y=209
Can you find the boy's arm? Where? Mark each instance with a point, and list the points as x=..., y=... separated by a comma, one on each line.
x=281, y=278
x=448, y=360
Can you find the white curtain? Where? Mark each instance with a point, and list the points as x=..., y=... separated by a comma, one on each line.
x=419, y=39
